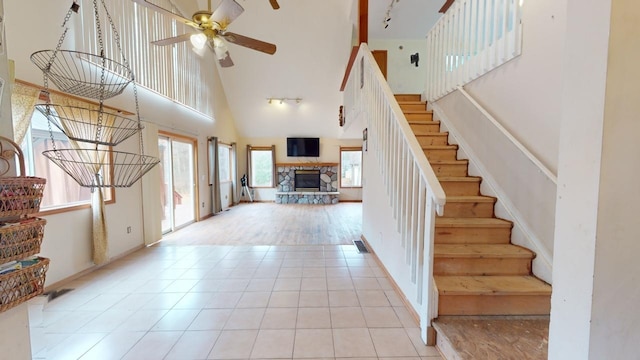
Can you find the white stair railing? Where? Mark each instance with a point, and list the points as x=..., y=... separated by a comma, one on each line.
x=472, y=38
x=412, y=188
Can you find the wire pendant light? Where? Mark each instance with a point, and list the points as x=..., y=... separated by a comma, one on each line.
x=90, y=162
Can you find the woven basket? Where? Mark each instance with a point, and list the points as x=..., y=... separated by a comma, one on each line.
x=21, y=285
x=21, y=239
x=20, y=195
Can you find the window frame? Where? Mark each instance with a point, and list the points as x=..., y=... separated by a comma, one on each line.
x=110, y=192
x=352, y=149
x=250, y=150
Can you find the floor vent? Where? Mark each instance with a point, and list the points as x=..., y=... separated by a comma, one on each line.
x=360, y=245
x=51, y=295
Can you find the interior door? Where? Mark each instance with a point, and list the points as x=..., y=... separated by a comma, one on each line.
x=178, y=197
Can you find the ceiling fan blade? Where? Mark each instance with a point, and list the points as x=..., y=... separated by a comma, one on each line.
x=166, y=12
x=222, y=54
x=250, y=43
x=274, y=4
x=228, y=11
x=172, y=40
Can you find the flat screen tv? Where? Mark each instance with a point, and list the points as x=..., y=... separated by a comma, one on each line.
x=298, y=146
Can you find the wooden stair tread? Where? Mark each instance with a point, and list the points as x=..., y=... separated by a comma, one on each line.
x=460, y=178
x=449, y=162
x=446, y=133
x=473, y=222
x=411, y=102
x=423, y=122
x=482, y=250
x=426, y=112
x=471, y=199
x=439, y=147
x=491, y=285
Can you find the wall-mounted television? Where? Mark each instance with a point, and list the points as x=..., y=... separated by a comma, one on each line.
x=299, y=146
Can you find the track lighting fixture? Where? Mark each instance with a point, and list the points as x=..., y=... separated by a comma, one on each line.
x=283, y=99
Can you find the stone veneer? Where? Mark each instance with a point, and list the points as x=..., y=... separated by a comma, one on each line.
x=286, y=192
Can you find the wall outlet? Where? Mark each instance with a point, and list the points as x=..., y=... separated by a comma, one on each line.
x=203, y=204
x=128, y=229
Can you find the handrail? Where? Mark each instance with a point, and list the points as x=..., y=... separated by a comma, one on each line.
x=548, y=173
x=405, y=185
x=433, y=183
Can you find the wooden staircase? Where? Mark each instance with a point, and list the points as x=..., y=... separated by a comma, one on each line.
x=476, y=268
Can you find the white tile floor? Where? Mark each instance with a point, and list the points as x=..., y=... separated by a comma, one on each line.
x=226, y=302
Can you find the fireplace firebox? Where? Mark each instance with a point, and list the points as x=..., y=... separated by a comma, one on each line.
x=307, y=180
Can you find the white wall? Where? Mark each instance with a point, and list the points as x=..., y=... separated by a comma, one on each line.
x=329, y=152
x=504, y=168
x=594, y=303
x=525, y=94
x=70, y=251
x=402, y=76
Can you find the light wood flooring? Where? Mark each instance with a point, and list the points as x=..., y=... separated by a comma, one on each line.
x=275, y=224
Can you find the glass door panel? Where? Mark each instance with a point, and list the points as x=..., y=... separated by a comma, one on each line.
x=183, y=183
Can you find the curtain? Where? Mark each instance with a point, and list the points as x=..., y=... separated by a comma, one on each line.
x=234, y=174
x=273, y=162
x=152, y=190
x=248, y=173
x=23, y=100
x=214, y=176
x=94, y=162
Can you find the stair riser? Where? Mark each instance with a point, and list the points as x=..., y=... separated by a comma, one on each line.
x=468, y=210
x=494, y=305
x=421, y=117
x=460, y=235
x=407, y=97
x=481, y=266
x=459, y=188
x=450, y=170
x=425, y=129
x=429, y=140
x=413, y=107
x=440, y=154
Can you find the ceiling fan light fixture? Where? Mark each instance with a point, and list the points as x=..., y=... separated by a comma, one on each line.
x=198, y=40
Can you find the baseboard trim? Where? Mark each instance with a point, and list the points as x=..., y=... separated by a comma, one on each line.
x=61, y=283
x=405, y=301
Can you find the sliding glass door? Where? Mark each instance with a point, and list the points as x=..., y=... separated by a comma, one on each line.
x=178, y=197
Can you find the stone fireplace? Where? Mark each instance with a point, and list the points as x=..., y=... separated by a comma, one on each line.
x=307, y=183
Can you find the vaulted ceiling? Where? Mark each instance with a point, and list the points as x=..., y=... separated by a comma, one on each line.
x=314, y=39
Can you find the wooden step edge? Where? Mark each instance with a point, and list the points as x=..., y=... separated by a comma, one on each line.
x=494, y=285
x=483, y=251
x=471, y=199
x=443, y=134
x=418, y=112
x=423, y=122
x=444, y=222
x=459, y=179
x=449, y=162
x=439, y=147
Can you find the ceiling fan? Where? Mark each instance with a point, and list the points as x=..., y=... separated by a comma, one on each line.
x=212, y=27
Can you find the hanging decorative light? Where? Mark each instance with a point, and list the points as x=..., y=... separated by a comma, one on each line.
x=90, y=163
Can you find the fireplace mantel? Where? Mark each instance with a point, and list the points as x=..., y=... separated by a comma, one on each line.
x=308, y=164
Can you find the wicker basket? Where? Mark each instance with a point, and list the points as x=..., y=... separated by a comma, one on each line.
x=21, y=239
x=21, y=285
x=20, y=195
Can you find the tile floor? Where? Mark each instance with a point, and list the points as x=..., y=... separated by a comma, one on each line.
x=230, y=302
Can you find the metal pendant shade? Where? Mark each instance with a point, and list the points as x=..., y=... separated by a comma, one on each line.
x=91, y=163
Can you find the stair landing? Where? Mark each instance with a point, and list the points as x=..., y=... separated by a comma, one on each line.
x=492, y=337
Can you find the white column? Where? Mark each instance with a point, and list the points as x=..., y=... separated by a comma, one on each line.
x=595, y=272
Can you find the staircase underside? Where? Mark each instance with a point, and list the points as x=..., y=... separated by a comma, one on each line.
x=477, y=271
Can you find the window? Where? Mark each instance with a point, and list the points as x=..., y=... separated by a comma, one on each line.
x=224, y=162
x=67, y=192
x=261, y=163
x=351, y=167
